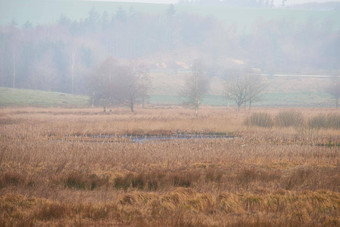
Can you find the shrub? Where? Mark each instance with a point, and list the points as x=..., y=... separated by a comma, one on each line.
x=289, y=118
x=260, y=119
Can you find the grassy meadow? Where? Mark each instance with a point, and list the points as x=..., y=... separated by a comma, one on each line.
x=74, y=167
x=27, y=97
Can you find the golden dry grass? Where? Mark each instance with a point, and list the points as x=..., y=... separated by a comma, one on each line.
x=54, y=172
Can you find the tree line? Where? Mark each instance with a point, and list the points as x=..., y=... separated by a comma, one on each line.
x=64, y=56
x=117, y=83
x=238, y=3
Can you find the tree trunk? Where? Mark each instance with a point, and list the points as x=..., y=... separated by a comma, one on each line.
x=92, y=99
x=196, y=111
x=72, y=71
x=131, y=106
x=249, y=104
x=238, y=106
x=14, y=72
x=337, y=102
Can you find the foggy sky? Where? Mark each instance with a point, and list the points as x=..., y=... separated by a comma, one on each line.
x=277, y=2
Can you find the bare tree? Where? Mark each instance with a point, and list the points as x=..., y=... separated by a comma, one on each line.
x=74, y=46
x=73, y=63
x=143, y=82
x=115, y=83
x=14, y=46
x=243, y=88
x=101, y=83
x=236, y=91
x=196, y=86
x=137, y=85
x=44, y=74
x=255, y=88
x=334, y=90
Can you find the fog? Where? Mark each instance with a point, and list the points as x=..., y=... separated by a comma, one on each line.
x=276, y=2
x=61, y=45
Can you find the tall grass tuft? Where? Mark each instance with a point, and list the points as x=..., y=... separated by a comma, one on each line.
x=260, y=120
x=325, y=121
x=289, y=119
x=154, y=180
x=50, y=210
x=79, y=180
x=10, y=178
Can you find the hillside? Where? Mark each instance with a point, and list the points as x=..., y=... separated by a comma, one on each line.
x=280, y=91
x=25, y=97
x=283, y=91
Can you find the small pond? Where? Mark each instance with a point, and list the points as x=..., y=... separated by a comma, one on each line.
x=108, y=138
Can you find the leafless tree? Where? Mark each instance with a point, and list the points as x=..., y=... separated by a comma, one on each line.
x=121, y=84
x=101, y=83
x=195, y=87
x=143, y=81
x=334, y=90
x=137, y=85
x=45, y=74
x=244, y=87
x=14, y=46
x=255, y=88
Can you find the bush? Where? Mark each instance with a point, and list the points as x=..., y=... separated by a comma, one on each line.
x=325, y=121
x=260, y=119
x=289, y=118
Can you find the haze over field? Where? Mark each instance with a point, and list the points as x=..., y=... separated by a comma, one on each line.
x=198, y=113
x=276, y=2
x=63, y=45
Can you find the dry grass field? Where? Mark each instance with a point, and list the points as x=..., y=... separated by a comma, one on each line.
x=79, y=167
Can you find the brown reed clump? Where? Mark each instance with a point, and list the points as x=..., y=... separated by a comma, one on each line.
x=331, y=120
x=289, y=119
x=260, y=119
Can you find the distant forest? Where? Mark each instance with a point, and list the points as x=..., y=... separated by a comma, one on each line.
x=48, y=56
x=242, y=3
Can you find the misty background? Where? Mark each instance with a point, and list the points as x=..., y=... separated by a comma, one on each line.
x=57, y=45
